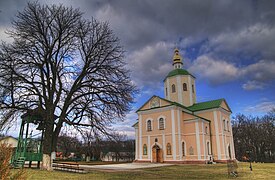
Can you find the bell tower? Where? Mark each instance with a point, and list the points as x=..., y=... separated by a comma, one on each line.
x=179, y=84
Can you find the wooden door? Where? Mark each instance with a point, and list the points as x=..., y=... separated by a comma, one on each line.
x=159, y=155
x=154, y=155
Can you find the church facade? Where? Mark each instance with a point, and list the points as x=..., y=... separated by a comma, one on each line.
x=177, y=129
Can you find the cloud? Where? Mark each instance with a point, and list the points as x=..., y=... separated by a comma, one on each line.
x=125, y=127
x=213, y=70
x=149, y=65
x=263, y=107
x=253, y=85
x=256, y=38
x=261, y=71
x=217, y=71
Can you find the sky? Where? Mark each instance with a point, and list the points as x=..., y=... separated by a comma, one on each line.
x=229, y=46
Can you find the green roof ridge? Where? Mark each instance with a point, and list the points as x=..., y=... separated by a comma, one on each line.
x=206, y=105
x=176, y=72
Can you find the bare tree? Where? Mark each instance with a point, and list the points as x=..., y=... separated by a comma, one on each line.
x=254, y=137
x=68, y=69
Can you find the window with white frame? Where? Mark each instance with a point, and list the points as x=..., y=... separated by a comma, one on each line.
x=183, y=148
x=161, y=123
x=169, y=149
x=149, y=125
x=144, y=149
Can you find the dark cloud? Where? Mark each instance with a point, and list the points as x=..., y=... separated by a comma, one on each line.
x=229, y=29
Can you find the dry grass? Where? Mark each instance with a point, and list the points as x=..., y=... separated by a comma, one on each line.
x=217, y=171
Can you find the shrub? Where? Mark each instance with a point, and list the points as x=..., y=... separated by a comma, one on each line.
x=5, y=168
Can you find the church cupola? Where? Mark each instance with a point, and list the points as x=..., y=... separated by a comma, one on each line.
x=177, y=60
x=179, y=84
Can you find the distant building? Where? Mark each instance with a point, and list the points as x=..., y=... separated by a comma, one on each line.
x=9, y=140
x=177, y=129
x=117, y=156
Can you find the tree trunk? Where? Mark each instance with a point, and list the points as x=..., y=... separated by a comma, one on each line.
x=46, y=162
x=47, y=142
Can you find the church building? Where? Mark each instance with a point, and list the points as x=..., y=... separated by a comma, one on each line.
x=177, y=129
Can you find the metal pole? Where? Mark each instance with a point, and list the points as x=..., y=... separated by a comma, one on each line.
x=250, y=165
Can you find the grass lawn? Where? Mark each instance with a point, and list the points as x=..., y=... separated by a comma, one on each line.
x=216, y=171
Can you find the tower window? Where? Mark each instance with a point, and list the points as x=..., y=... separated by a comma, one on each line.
x=169, y=150
x=161, y=123
x=166, y=91
x=193, y=90
x=184, y=87
x=173, y=88
x=206, y=130
x=224, y=125
x=227, y=125
x=149, y=125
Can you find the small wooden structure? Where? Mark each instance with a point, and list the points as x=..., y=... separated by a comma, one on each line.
x=28, y=148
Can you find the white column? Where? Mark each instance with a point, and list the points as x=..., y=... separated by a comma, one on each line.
x=217, y=135
x=173, y=134
x=195, y=93
x=203, y=139
x=179, y=90
x=179, y=136
x=164, y=147
x=232, y=142
x=140, y=136
x=149, y=149
x=168, y=89
x=136, y=132
x=222, y=129
x=198, y=140
x=190, y=90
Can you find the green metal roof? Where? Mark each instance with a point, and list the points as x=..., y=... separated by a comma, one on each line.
x=206, y=105
x=178, y=72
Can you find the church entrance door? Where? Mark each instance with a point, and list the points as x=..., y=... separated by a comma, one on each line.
x=157, y=154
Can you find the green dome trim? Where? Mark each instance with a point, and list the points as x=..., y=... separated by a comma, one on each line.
x=176, y=72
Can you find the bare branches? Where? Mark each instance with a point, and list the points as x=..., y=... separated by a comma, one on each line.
x=66, y=65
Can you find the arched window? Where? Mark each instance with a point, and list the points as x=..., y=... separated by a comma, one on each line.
x=149, y=125
x=173, y=88
x=166, y=91
x=169, y=150
x=224, y=125
x=144, y=149
x=183, y=148
x=228, y=126
x=184, y=87
x=161, y=123
x=208, y=148
x=193, y=89
x=206, y=130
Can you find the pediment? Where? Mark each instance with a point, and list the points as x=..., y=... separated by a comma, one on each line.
x=154, y=102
